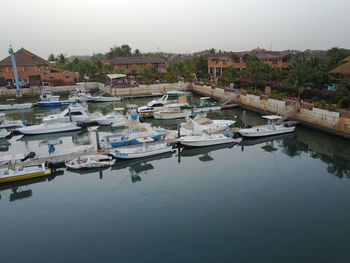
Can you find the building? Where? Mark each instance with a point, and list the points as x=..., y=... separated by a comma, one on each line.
x=218, y=62
x=341, y=73
x=135, y=64
x=35, y=70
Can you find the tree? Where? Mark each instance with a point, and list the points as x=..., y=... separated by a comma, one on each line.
x=137, y=53
x=52, y=58
x=230, y=75
x=122, y=51
x=256, y=71
x=149, y=74
x=335, y=56
x=342, y=95
x=298, y=75
x=61, y=60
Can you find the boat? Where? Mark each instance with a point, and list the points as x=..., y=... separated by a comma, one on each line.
x=208, y=140
x=48, y=127
x=85, y=162
x=98, y=97
x=5, y=124
x=22, y=172
x=204, y=107
x=47, y=99
x=115, y=118
x=80, y=93
x=199, y=125
x=144, y=150
x=146, y=111
x=167, y=113
x=4, y=133
x=74, y=112
x=21, y=106
x=267, y=130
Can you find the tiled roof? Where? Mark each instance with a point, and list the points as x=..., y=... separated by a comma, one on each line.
x=343, y=69
x=24, y=58
x=135, y=60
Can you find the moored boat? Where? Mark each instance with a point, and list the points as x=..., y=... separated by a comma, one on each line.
x=168, y=113
x=85, y=162
x=4, y=133
x=6, y=124
x=115, y=118
x=207, y=140
x=199, y=125
x=144, y=150
x=45, y=128
x=22, y=172
x=47, y=99
x=5, y=107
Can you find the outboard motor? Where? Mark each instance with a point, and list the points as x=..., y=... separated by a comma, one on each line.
x=82, y=124
x=30, y=155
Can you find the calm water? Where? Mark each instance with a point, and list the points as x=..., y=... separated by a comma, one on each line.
x=285, y=199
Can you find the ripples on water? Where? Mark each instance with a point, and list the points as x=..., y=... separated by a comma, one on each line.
x=277, y=199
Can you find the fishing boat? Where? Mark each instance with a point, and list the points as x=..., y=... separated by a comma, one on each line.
x=48, y=127
x=267, y=130
x=199, y=125
x=6, y=124
x=74, y=112
x=168, y=113
x=115, y=118
x=21, y=106
x=4, y=133
x=22, y=172
x=167, y=98
x=208, y=140
x=47, y=99
x=80, y=93
x=205, y=106
x=85, y=162
x=144, y=150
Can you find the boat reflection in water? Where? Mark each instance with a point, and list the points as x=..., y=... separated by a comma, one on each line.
x=202, y=152
x=18, y=191
x=269, y=141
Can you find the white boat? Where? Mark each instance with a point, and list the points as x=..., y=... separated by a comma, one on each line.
x=199, y=125
x=105, y=99
x=5, y=124
x=141, y=151
x=267, y=130
x=205, y=106
x=207, y=140
x=48, y=127
x=161, y=101
x=23, y=172
x=5, y=107
x=114, y=118
x=167, y=113
x=4, y=133
x=74, y=112
x=85, y=162
x=47, y=99
x=80, y=93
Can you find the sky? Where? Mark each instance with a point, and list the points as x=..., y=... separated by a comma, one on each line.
x=84, y=27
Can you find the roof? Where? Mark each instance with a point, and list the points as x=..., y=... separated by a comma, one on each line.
x=272, y=117
x=24, y=58
x=343, y=69
x=347, y=59
x=116, y=76
x=135, y=60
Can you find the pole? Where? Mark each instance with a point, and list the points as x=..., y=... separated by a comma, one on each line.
x=244, y=118
x=70, y=114
x=98, y=141
x=14, y=67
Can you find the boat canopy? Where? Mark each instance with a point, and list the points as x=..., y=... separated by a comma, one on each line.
x=272, y=117
x=118, y=109
x=116, y=76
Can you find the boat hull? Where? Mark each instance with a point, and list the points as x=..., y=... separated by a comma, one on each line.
x=105, y=99
x=202, y=143
x=170, y=116
x=25, y=176
x=255, y=132
x=56, y=103
x=127, y=155
x=16, y=106
x=44, y=129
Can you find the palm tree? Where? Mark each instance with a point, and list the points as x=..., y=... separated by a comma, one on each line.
x=343, y=95
x=52, y=58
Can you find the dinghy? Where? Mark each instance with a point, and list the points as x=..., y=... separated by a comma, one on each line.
x=85, y=162
x=50, y=128
x=144, y=150
x=267, y=130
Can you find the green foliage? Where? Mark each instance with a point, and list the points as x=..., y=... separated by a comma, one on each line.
x=181, y=70
x=335, y=56
x=52, y=58
x=342, y=95
x=254, y=91
x=321, y=104
x=122, y=51
x=256, y=71
x=149, y=74
x=277, y=95
x=230, y=75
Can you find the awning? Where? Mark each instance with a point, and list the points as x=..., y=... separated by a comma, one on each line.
x=116, y=76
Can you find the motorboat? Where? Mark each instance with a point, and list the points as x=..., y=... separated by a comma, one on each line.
x=115, y=118
x=80, y=93
x=75, y=112
x=47, y=99
x=161, y=101
x=167, y=113
x=267, y=130
x=208, y=140
x=205, y=106
x=85, y=162
x=48, y=127
x=6, y=124
x=6, y=107
x=146, y=111
x=134, y=134
x=22, y=172
x=4, y=133
x=98, y=97
x=199, y=125
x=144, y=150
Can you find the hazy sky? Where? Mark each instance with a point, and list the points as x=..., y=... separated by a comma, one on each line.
x=79, y=27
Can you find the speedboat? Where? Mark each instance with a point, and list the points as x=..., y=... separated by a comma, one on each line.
x=161, y=101
x=85, y=162
x=144, y=150
x=48, y=127
x=74, y=113
x=167, y=113
x=5, y=107
x=115, y=118
x=98, y=97
x=80, y=94
x=208, y=140
x=4, y=133
x=205, y=106
x=267, y=130
x=23, y=172
x=197, y=126
x=47, y=99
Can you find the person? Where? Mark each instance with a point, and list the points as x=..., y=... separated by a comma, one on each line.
x=51, y=149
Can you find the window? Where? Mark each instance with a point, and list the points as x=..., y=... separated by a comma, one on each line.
x=142, y=66
x=155, y=65
x=126, y=66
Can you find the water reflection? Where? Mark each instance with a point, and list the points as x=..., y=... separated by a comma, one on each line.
x=4, y=145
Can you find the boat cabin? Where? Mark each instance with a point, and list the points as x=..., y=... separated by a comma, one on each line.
x=271, y=121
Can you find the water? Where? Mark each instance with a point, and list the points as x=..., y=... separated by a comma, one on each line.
x=285, y=199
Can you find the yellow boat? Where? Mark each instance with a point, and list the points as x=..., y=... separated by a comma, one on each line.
x=23, y=172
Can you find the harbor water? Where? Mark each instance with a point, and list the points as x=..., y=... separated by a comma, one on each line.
x=277, y=199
